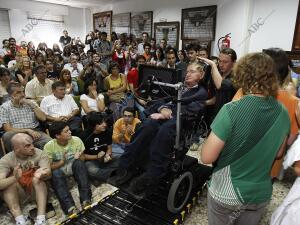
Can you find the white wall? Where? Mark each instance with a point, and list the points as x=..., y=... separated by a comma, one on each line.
x=278, y=28
x=233, y=16
x=77, y=20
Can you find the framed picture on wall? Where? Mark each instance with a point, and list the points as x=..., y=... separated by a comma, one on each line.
x=103, y=22
x=168, y=31
x=203, y=44
x=141, y=22
x=199, y=23
x=121, y=23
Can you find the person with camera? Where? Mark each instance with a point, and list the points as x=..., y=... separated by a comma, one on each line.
x=90, y=40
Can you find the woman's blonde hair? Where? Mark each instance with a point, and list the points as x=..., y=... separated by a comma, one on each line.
x=21, y=65
x=61, y=76
x=255, y=73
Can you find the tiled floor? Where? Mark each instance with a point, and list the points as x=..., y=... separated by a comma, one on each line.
x=197, y=217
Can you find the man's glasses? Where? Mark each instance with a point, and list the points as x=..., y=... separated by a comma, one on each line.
x=129, y=116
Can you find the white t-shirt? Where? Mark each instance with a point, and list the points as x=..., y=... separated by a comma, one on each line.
x=74, y=73
x=92, y=103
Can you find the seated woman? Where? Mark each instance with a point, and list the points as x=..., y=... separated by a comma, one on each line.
x=116, y=86
x=156, y=136
x=5, y=79
x=24, y=72
x=98, y=150
x=159, y=58
x=71, y=85
x=91, y=101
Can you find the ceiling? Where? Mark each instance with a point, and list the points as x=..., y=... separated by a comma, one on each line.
x=80, y=3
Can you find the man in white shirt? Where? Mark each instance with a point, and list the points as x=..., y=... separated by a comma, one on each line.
x=145, y=37
x=5, y=48
x=40, y=86
x=62, y=107
x=73, y=66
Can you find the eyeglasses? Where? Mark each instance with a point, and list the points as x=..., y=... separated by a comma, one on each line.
x=128, y=116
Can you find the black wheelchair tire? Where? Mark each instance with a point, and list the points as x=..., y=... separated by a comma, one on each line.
x=171, y=204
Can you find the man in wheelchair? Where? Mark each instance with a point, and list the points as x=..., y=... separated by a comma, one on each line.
x=153, y=143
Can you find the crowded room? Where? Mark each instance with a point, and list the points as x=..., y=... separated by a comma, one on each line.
x=134, y=112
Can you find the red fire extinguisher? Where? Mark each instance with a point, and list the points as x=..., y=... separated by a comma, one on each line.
x=225, y=42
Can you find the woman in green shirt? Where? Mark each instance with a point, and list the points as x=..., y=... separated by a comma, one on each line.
x=247, y=135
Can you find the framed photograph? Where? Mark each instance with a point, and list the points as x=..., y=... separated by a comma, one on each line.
x=203, y=44
x=103, y=22
x=121, y=23
x=199, y=23
x=141, y=22
x=168, y=31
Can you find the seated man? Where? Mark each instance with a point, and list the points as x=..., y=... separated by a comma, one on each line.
x=22, y=115
x=62, y=107
x=123, y=130
x=74, y=66
x=156, y=136
x=40, y=86
x=66, y=158
x=98, y=152
x=22, y=171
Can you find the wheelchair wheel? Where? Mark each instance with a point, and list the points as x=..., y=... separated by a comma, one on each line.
x=180, y=192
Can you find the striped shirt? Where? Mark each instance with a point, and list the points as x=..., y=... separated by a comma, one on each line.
x=18, y=117
x=55, y=107
x=253, y=129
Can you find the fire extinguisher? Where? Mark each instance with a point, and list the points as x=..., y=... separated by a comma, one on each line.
x=225, y=42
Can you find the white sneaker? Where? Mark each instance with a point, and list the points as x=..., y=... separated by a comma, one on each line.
x=26, y=222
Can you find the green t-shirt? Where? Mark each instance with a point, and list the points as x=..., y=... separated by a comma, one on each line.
x=56, y=152
x=253, y=130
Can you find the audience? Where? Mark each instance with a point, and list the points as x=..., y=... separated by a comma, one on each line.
x=115, y=83
x=97, y=139
x=71, y=85
x=24, y=72
x=5, y=80
x=61, y=107
x=145, y=39
x=84, y=82
x=91, y=100
x=67, y=159
x=123, y=130
x=21, y=115
x=40, y=86
x=21, y=172
x=74, y=66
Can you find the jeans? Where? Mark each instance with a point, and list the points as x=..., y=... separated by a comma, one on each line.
x=100, y=170
x=59, y=184
x=154, y=140
x=118, y=149
x=249, y=214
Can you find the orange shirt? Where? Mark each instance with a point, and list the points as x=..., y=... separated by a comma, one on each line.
x=119, y=124
x=289, y=101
